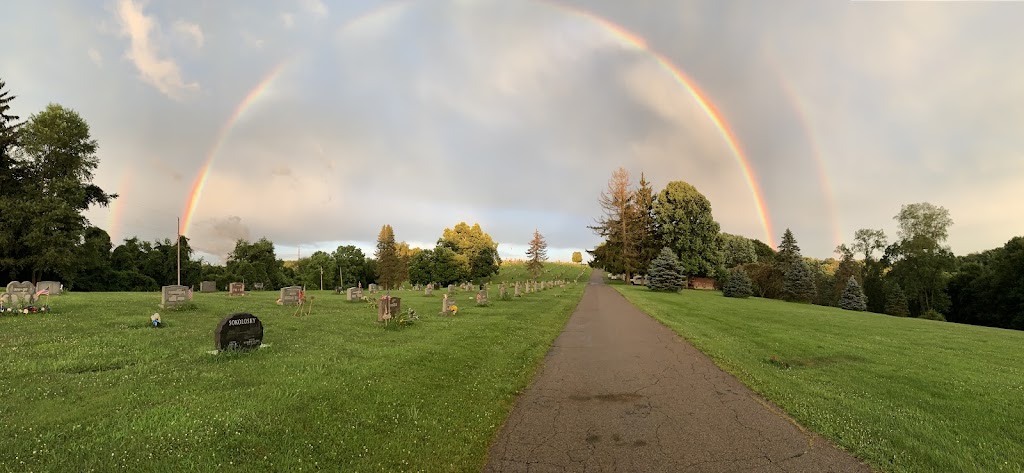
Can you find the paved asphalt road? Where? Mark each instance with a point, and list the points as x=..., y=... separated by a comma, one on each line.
x=621, y=392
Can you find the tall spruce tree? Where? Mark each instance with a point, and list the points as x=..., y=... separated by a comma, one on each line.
x=389, y=266
x=799, y=283
x=536, y=254
x=646, y=227
x=896, y=302
x=853, y=296
x=665, y=272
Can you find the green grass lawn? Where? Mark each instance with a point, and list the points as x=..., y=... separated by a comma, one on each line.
x=905, y=395
x=91, y=387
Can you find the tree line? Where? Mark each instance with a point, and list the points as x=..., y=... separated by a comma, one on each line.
x=916, y=275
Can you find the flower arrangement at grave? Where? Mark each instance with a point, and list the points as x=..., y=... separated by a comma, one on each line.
x=455, y=309
x=371, y=302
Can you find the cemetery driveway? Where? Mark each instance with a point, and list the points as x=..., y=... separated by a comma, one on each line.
x=621, y=392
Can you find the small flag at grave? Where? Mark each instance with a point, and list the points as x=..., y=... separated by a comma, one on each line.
x=190, y=293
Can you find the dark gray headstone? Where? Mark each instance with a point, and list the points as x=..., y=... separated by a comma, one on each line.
x=208, y=286
x=241, y=331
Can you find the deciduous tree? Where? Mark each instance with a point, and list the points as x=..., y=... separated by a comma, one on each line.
x=684, y=218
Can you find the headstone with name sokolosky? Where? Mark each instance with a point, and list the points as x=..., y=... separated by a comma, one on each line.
x=241, y=331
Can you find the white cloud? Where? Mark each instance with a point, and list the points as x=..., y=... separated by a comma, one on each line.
x=288, y=20
x=316, y=7
x=95, y=56
x=190, y=32
x=162, y=73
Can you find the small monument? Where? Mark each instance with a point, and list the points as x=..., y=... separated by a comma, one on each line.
x=258, y=286
x=208, y=286
x=174, y=296
x=354, y=294
x=451, y=289
x=429, y=290
x=447, y=304
x=236, y=289
x=52, y=288
x=19, y=294
x=291, y=295
x=481, y=297
x=389, y=307
x=372, y=288
x=518, y=294
x=502, y=291
x=241, y=331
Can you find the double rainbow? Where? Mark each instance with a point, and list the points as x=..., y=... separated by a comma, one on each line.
x=619, y=32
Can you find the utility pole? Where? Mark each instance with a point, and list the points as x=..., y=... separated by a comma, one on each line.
x=321, y=278
x=178, y=230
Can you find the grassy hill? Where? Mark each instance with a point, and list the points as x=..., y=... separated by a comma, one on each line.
x=516, y=271
x=906, y=395
x=91, y=387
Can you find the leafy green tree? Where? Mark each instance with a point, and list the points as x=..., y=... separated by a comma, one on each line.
x=50, y=179
x=606, y=256
x=767, y=277
x=764, y=252
x=738, y=284
x=536, y=254
x=666, y=272
x=446, y=268
x=799, y=283
x=421, y=267
x=476, y=247
x=896, y=302
x=389, y=267
x=920, y=263
x=310, y=269
x=351, y=262
x=577, y=257
x=853, y=296
x=94, y=272
x=684, y=218
x=257, y=262
x=848, y=267
x=736, y=250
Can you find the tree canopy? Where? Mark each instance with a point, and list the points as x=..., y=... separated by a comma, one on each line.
x=687, y=227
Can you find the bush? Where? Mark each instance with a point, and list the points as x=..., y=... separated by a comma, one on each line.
x=932, y=314
x=853, y=297
x=666, y=272
x=896, y=302
x=738, y=284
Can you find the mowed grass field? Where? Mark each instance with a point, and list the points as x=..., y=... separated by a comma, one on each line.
x=91, y=387
x=905, y=395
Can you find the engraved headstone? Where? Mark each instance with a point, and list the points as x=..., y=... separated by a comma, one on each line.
x=236, y=289
x=52, y=288
x=208, y=286
x=354, y=294
x=173, y=296
x=429, y=290
x=518, y=294
x=372, y=288
x=446, y=304
x=502, y=291
x=389, y=307
x=258, y=286
x=481, y=297
x=19, y=294
x=291, y=295
x=241, y=331
x=451, y=289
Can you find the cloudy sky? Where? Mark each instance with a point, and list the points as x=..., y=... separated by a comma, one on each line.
x=314, y=123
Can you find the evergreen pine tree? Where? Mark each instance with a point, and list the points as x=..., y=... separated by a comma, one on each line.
x=389, y=266
x=896, y=302
x=789, y=251
x=738, y=284
x=537, y=254
x=666, y=272
x=799, y=282
x=853, y=296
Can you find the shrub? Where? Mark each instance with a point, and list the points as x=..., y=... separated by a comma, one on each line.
x=853, y=297
x=666, y=272
x=932, y=314
x=738, y=284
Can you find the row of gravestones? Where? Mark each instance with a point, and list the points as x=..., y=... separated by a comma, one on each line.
x=234, y=289
x=20, y=294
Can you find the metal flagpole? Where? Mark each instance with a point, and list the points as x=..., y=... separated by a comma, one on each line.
x=179, y=250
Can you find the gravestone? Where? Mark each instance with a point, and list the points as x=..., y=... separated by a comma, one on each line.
x=241, y=331
x=518, y=294
x=20, y=294
x=481, y=297
x=291, y=295
x=236, y=289
x=451, y=289
x=52, y=288
x=446, y=304
x=389, y=307
x=429, y=291
x=372, y=288
x=354, y=294
x=208, y=286
x=173, y=296
x=258, y=286
x=502, y=291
